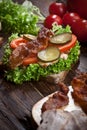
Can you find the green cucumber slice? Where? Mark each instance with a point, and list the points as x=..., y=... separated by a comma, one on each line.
x=51, y=53
x=61, y=38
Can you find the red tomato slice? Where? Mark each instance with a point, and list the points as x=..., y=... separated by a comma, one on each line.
x=18, y=41
x=33, y=58
x=30, y=60
x=67, y=46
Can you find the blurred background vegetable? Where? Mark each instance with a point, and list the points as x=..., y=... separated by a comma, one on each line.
x=73, y=13
x=78, y=6
x=70, y=18
x=16, y=18
x=57, y=8
x=79, y=28
x=53, y=18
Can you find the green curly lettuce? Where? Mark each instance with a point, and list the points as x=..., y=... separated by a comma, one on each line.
x=7, y=49
x=58, y=29
x=16, y=18
x=35, y=71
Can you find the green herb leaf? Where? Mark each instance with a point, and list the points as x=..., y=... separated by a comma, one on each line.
x=16, y=18
x=58, y=29
x=35, y=71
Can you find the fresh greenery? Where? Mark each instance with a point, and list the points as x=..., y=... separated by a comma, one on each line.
x=35, y=71
x=58, y=29
x=7, y=49
x=16, y=18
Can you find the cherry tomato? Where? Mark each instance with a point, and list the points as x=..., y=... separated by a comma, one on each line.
x=51, y=19
x=78, y=6
x=57, y=8
x=79, y=28
x=70, y=18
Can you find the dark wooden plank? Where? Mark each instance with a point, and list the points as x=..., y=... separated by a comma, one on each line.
x=5, y=124
x=16, y=104
x=16, y=101
x=45, y=88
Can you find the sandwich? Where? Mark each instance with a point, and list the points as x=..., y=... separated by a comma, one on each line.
x=30, y=57
x=64, y=109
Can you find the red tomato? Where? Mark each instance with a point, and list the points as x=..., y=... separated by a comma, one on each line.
x=78, y=6
x=51, y=19
x=79, y=28
x=18, y=41
x=57, y=8
x=29, y=60
x=66, y=47
x=70, y=18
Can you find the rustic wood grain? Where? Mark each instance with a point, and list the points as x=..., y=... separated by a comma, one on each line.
x=16, y=101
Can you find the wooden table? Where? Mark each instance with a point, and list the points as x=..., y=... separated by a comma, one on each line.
x=16, y=101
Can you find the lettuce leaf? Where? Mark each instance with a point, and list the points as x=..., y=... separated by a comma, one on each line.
x=35, y=71
x=16, y=18
x=58, y=29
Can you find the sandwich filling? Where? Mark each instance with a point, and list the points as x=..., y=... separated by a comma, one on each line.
x=31, y=57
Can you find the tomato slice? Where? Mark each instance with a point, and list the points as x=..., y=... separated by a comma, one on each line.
x=18, y=41
x=33, y=57
x=67, y=46
x=30, y=60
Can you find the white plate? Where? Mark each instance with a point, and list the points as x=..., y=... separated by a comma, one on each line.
x=36, y=110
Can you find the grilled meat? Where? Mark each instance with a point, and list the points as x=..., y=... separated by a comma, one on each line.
x=79, y=84
x=58, y=99
x=30, y=48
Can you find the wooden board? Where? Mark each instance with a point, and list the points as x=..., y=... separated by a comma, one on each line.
x=16, y=101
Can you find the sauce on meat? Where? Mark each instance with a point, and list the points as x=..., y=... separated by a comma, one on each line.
x=58, y=100
x=30, y=48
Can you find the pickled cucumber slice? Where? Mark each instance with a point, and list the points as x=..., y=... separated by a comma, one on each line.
x=51, y=53
x=45, y=64
x=61, y=38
